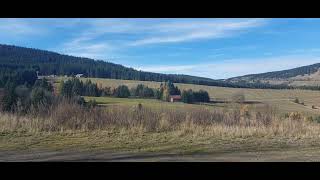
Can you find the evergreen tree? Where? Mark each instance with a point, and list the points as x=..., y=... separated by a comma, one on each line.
x=190, y=96
x=43, y=83
x=41, y=97
x=122, y=91
x=10, y=98
x=201, y=96
x=187, y=96
x=168, y=89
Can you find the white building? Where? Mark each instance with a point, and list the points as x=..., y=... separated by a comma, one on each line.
x=79, y=75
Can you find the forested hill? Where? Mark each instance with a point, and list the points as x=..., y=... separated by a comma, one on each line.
x=285, y=74
x=19, y=64
x=48, y=63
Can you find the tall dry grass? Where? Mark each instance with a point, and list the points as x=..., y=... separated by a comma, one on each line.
x=240, y=121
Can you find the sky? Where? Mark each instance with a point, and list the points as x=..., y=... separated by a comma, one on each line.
x=206, y=47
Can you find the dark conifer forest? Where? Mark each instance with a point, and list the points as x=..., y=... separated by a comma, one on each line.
x=20, y=65
x=50, y=63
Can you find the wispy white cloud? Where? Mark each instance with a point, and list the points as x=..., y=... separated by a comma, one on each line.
x=196, y=30
x=236, y=67
x=26, y=31
x=17, y=28
x=140, y=32
x=80, y=47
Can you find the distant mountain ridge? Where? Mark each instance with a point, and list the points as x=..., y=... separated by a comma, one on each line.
x=309, y=69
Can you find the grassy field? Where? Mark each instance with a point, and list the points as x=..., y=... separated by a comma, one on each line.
x=153, y=103
x=187, y=144
x=281, y=99
x=166, y=128
x=178, y=143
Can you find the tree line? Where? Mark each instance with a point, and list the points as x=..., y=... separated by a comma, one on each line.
x=189, y=96
x=23, y=97
x=75, y=87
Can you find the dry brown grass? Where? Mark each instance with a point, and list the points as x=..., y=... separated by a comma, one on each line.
x=240, y=121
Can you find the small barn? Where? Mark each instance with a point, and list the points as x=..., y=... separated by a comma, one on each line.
x=175, y=98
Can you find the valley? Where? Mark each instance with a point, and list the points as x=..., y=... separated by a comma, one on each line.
x=80, y=109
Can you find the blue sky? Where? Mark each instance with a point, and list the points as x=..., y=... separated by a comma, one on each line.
x=214, y=48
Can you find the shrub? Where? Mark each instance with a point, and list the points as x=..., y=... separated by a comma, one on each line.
x=122, y=91
x=286, y=115
x=201, y=96
x=40, y=97
x=43, y=83
x=142, y=91
x=106, y=91
x=78, y=100
x=91, y=103
x=157, y=94
x=75, y=87
x=147, y=92
x=9, y=100
x=295, y=116
x=190, y=96
x=309, y=118
x=21, y=98
x=187, y=96
x=244, y=111
x=317, y=119
x=296, y=100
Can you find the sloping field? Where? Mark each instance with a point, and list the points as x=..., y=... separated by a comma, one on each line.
x=282, y=99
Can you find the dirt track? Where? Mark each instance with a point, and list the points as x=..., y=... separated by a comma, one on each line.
x=288, y=155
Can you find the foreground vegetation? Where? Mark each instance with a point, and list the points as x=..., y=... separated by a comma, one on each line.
x=143, y=129
x=152, y=125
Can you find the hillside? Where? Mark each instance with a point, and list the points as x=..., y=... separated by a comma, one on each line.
x=16, y=60
x=48, y=63
x=300, y=76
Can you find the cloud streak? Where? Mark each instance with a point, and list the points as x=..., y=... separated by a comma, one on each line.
x=195, y=30
x=80, y=47
x=140, y=32
x=20, y=28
